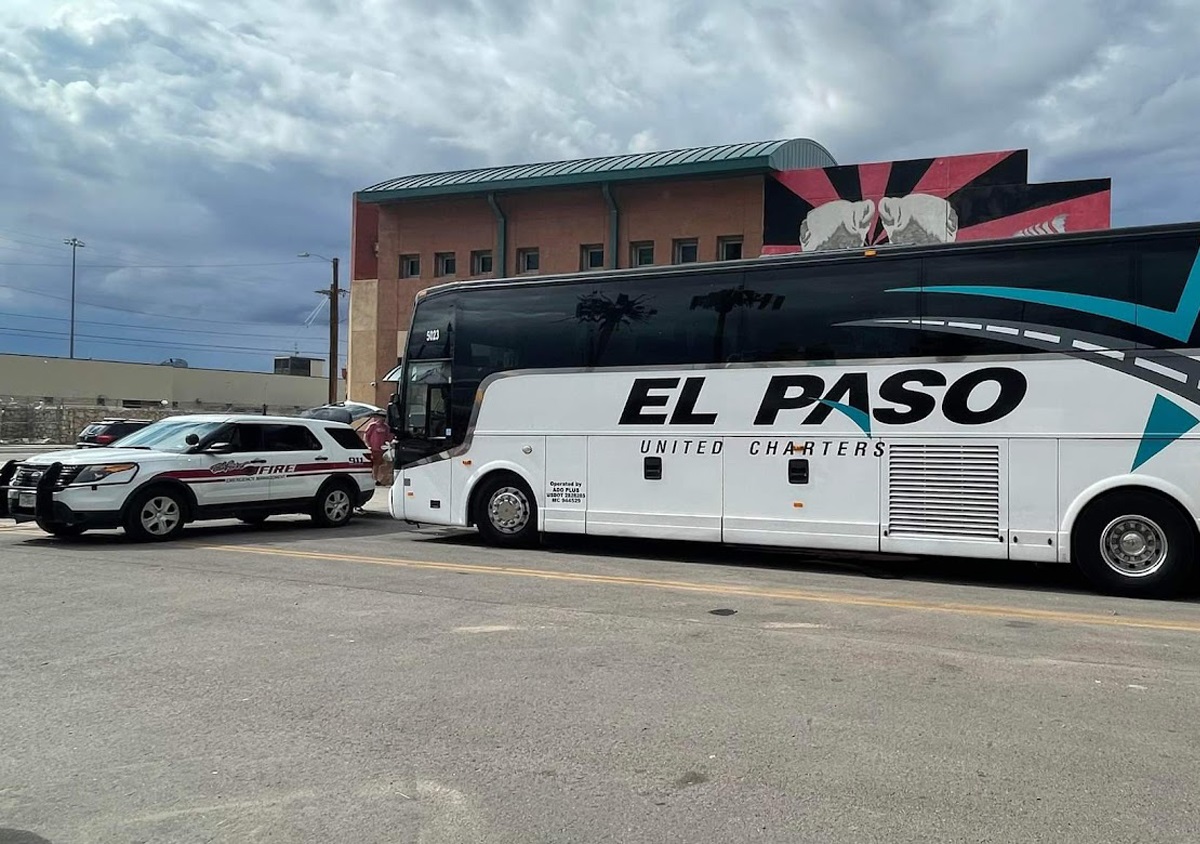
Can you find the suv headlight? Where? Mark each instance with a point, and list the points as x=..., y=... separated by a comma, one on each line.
x=108, y=473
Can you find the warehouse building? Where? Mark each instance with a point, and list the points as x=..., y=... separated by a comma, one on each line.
x=701, y=204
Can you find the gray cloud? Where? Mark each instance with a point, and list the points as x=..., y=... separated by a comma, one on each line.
x=164, y=132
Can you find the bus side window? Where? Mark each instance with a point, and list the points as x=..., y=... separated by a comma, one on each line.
x=437, y=404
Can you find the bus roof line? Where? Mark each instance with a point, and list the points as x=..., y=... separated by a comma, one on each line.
x=819, y=258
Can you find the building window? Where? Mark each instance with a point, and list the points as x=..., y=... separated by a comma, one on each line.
x=729, y=249
x=591, y=256
x=641, y=254
x=686, y=251
x=481, y=262
x=527, y=261
x=444, y=263
x=410, y=266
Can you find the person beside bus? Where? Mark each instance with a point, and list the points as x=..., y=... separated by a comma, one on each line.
x=377, y=435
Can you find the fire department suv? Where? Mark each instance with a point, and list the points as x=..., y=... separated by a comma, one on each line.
x=187, y=468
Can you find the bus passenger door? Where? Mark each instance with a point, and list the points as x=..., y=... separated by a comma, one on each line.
x=818, y=493
x=657, y=487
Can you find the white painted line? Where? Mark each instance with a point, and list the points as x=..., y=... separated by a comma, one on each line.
x=1045, y=338
x=1109, y=353
x=791, y=625
x=1003, y=329
x=1087, y=347
x=486, y=628
x=1160, y=369
x=930, y=321
x=973, y=325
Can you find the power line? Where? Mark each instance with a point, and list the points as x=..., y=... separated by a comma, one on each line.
x=225, y=352
x=122, y=341
x=289, y=339
x=83, y=266
x=129, y=310
x=22, y=264
x=24, y=245
x=54, y=247
x=50, y=244
x=183, y=266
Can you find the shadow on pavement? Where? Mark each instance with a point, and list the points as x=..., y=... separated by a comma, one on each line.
x=1039, y=577
x=299, y=528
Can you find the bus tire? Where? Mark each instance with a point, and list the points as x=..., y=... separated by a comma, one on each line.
x=505, y=511
x=1136, y=543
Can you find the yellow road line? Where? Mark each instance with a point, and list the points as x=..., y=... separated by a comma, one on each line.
x=836, y=598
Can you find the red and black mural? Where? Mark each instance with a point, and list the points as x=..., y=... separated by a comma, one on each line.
x=924, y=200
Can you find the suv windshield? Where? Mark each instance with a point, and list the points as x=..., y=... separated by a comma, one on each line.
x=169, y=434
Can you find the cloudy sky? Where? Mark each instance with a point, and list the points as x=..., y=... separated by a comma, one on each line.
x=197, y=145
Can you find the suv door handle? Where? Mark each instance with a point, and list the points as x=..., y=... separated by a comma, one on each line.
x=259, y=460
x=322, y=457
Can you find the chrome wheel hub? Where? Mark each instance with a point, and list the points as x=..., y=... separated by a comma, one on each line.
x=1133, y=546
x=337, y=505
x=508, y=510
x=160, y=515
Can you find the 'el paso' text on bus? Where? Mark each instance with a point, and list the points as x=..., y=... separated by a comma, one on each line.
x=901, y=399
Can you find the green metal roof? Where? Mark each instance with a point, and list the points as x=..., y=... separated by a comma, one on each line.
x=727, y=159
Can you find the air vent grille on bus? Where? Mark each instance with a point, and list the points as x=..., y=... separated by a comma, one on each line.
x=944, y=490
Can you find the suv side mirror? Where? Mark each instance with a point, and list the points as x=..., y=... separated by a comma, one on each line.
x=192, y=439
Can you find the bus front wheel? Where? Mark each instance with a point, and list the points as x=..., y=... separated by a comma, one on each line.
x=505, y=511
x=1137, y=543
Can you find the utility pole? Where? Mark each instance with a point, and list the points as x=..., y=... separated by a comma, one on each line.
x=333, y=335
x=334, y=292
x=75, y=244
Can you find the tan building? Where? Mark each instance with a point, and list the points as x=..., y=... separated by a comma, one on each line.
x=410, y=233
x=111, y=384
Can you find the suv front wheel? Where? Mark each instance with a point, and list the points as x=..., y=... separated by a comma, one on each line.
x=156, y=514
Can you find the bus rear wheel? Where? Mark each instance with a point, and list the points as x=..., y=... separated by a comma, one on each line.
x=505, y=511
x=1135, y=543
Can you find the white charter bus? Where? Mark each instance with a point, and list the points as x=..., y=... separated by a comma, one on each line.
x=1028, y=399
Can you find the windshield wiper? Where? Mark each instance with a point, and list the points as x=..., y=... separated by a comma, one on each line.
x=142, y=447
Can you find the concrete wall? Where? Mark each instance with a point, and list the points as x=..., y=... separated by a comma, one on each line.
x=94, y=382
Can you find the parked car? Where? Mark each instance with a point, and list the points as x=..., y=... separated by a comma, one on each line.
x=187, y=468
x=108, y=431
x=353, y=413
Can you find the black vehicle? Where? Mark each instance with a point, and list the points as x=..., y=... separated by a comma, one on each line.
x=108, y=431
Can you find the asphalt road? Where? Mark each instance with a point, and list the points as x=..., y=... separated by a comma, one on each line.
x=376, y=684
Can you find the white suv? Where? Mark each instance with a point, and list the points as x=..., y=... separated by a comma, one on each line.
x=185, y=468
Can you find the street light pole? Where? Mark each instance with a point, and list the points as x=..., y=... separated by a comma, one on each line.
x=333, y=335
x=334, y=292
x=75, y=244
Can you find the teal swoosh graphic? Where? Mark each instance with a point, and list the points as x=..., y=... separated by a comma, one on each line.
x=1167, y=422
x=1177, y=324
x=853, y=413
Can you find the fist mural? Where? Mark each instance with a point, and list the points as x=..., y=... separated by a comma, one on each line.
x=840, y=224
x=918, y=218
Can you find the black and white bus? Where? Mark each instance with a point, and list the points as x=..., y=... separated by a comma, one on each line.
x=1028, y=399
